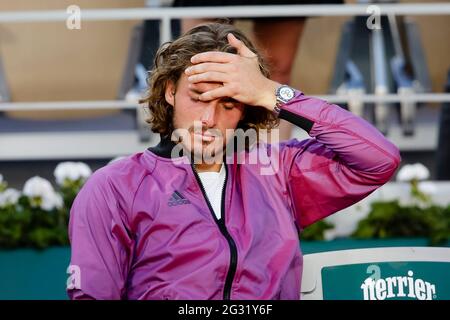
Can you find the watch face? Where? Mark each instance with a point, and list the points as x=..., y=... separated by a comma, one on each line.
x=286, y=93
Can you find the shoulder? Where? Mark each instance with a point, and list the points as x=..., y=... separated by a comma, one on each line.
x=124, y=171
x=118, y=181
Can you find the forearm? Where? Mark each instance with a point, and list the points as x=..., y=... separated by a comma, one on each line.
x=357, y=143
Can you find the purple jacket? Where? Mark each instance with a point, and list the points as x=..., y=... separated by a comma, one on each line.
x=142, y=228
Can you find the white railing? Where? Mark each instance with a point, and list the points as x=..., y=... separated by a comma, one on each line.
x=123, y=104
x=165, y=15
x=228, y=11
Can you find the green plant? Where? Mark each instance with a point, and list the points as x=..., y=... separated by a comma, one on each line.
x=420, y=218
x=23, y=225
x=316, y=231
x=390, y=219
x=38, y=216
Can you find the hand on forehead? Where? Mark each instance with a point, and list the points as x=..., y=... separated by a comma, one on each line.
x=221, y=75
x=201, y=87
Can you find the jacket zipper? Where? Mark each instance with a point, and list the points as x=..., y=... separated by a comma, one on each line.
x=224, y=231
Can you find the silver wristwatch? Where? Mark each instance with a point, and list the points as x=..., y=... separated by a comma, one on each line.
x=283, y=95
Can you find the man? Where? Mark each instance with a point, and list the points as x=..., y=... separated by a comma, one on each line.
x=169, y=223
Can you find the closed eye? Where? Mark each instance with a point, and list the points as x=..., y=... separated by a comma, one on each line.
x=229, y=103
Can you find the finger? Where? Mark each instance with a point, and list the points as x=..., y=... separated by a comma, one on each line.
x=215, y=94
x=202, y=87
x=207, y=66
x=213, y=56
x=240, y=46
x=211, y=76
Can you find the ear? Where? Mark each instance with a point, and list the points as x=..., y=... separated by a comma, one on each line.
x=170, y=93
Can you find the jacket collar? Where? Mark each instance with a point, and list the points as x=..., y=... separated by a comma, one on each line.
x=163, y=148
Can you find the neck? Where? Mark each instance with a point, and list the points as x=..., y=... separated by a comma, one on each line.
x=203, y=167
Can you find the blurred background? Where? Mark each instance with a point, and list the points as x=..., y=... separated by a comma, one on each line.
x=68, y=94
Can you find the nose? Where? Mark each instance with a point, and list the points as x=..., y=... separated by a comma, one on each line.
x=209, y=116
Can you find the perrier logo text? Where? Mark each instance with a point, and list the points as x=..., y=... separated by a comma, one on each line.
x=398, y=287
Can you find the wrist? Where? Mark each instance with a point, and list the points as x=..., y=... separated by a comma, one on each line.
x=283, y=94
x=269, y=99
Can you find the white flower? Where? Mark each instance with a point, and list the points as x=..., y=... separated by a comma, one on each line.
x=413, y=171
x=38, y=187
x=427, y=187
x=71, y=171
x=9, y=197
x=51, y=202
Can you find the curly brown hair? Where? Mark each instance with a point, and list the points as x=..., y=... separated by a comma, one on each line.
x=172, y=58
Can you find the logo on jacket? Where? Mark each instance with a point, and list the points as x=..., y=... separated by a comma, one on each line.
x=177, y=199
